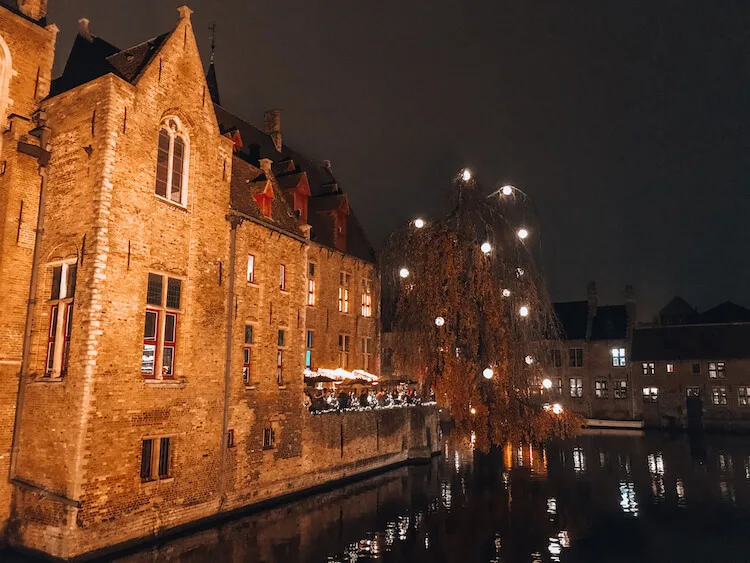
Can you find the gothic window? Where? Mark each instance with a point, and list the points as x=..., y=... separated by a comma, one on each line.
x=172, y=162
x=62, y=294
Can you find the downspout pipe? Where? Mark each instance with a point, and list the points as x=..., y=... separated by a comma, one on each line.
x=42, y=153
x=234, y=222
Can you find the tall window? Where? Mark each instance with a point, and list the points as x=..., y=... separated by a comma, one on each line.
x=163, y=295
x=269, y=437
x=344, y=351
x=670, y=367
x=620, y=388
x=250, y=268
x=649, y=368
x=716, y=370
x=366, y=353
x=247, y=355
x=743, y=394
x=344, y=279
x=576, y=387
x=311, y=284
x=618, y=357
x=282, y=277
x=60, y=318
x=308, y=349
x=156, y=459
x=281, y=341
x=576, y=357
x=555, y=358
x=600, y=389
x=719, y=395
x=366, y=298
x=650, y=394
x=172, y=162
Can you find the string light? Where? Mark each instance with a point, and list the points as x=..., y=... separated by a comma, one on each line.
x=529, y=359
x=547, y=383
x=486, y=247
x=488, y=373
x=466, y=175
x=419, y=223
x=522, y=233
x=506, y=293
x=557, y=408
x=404, y=273
x=523, y=311
x=472, y=410
x=439, y=321
x=507, y=190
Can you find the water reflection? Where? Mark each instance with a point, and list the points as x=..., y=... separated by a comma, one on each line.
x=519, y=503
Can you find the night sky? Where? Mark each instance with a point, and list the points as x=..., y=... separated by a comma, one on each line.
x=625, y=121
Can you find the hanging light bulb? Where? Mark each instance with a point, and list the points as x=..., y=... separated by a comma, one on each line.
x=472, y=410
x=547, y=383
x=507, y=190
x=557, y=408
x=404, y=273
x=523, y=311
x=439, y=321
x=506, y=293
x=488, y=373
x=529, y=359
x=466, y=175
x=523, y=233
x=486, y=247
x=419, y=223
x=519, y=272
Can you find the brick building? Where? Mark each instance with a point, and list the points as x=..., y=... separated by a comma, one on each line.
x=591, y=372
x=190, y=267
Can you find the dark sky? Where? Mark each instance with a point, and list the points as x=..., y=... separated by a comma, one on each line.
x=626, y=121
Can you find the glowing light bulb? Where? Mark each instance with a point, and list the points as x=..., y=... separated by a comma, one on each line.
x=547, y=383
x=488, y=373
x=519, y=272
x=466, y=175
x=404, y=273
x=439, y=321
x=557, y=408
x=486, y=247
x=529, y=359
x=506, y=293
x=419, y=223
x=523, y=311
x=472, y=410
x=507, y=190
x=522, y=233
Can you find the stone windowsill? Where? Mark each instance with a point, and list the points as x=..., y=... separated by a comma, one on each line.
x=282, y=387
x=177, y=383
x=47, y=379
x=174, y=204
x=251, y=387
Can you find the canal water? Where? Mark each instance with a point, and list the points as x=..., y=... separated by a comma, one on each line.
x=595, y=498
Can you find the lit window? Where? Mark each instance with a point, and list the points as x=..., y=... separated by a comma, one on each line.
x=716, y=370
x=719, y=395
x=555, y=358
x=156, y=459
x=366, y=353
x=692, y=391
x=670, y=368
x=311, y=284
x=600, y=389
x=282, y=277
x=618, y=357
x=247, y=355
x=269, y=437
x=250, y=268
x=344, y=279
x=172, y=162
x=743, y=396
x=366, y=298
x=60, y=319
x=650, y=394
x=558, y=385
x=649, y=368
x=620, y=389
x=308, y=351
x=576, y=387
x=576, y=357
x=163, y=295
x=344, y=351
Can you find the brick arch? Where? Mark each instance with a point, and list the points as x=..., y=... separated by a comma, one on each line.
x=62, y=251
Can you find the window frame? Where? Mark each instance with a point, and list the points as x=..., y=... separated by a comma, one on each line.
x=157, y=468
x=311, y=295
x=172, y=126
x=366, y=297
x=575, y=357
x=618, y=359
x=719, y=396
x=309, y=344
x=650, y=394
x=163, y=344
x=282, y=277
x=575, y=390
x=620, y=389
x=692, y=391
x=601, y=389
x=344, y=284
x=59, y=328
x=743, y=395
x=718, y=371
x=366, y=348
x=251, y=268
x=269, y=437
x=649, y=368
x=247, y=355
x=344, y=348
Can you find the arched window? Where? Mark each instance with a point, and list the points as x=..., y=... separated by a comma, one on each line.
x=172, y=162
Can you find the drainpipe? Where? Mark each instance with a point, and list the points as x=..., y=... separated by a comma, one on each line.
x=234, y=222
x=42, y=154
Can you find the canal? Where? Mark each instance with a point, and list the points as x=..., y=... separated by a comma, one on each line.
x=594, y=498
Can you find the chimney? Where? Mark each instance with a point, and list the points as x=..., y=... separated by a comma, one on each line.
x=592, y=305
x=272, y=127
x=35, y=9
x=83, y=29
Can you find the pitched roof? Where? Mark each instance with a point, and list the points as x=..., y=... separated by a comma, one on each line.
x=213, y=84
x=610, y=321
x=324, y=189
x=92, y=58
x=691, y=342
x=726, y=312
x=573, y=316
x=677, y=311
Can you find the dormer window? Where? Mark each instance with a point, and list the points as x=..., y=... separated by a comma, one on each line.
x=172, y=162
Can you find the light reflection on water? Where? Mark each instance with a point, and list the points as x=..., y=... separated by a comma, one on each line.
x=520, y=503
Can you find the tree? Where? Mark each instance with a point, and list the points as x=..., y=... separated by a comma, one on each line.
x=471, y=318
